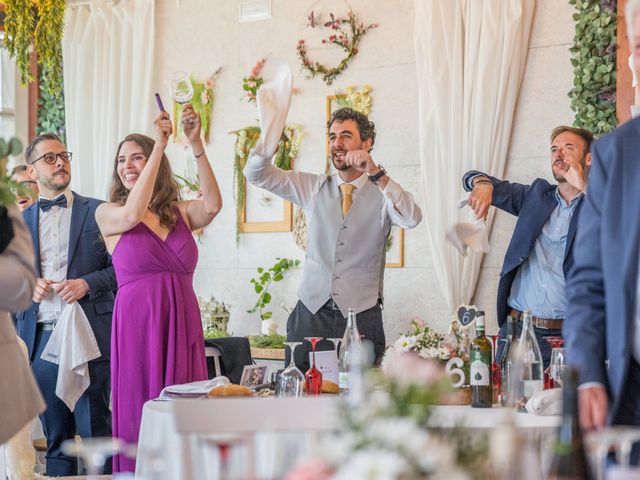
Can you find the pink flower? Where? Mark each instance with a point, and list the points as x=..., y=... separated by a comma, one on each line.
x=204, y=97
x=208, y=83
x=312, y=469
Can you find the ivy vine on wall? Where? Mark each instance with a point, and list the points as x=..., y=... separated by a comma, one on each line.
x=51, y=114
x=593, y=56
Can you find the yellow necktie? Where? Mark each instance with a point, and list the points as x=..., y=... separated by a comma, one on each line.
x=347, y=200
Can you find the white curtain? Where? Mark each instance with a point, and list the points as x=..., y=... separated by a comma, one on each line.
x=470, y=57
x=108, y=65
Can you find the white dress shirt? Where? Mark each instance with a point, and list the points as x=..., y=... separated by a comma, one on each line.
x=54, y=226
x=302, y=189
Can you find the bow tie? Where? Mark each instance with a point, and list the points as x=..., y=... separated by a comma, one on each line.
x=45, y=205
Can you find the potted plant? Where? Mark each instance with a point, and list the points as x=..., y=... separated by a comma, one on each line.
x=261, y=285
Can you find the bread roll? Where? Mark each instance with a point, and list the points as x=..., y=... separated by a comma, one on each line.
x=330, y=387
x=230, y=390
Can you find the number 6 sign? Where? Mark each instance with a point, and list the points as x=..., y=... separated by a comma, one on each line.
x=453, y=368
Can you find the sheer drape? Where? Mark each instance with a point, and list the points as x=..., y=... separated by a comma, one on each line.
x=108, y=67
x=470, y=58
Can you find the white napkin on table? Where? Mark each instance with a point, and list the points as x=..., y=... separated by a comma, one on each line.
x=273, y=99
x=71, y=346
x=545, y=402
x=472, y=234
x=192, y=389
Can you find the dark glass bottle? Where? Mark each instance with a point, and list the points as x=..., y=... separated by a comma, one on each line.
x=480, y=369
x=569, y=460
x=505, y=362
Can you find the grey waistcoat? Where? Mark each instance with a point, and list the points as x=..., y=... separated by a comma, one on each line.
x=345, y=258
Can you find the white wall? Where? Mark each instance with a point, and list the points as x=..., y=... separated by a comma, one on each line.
x=200, y=35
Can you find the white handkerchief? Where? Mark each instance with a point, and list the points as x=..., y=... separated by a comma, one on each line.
x=71, y=346
x=471, y=234
x=545, y=402
x=274, y=97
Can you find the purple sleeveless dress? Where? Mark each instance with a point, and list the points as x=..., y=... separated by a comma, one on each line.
x=156, y=339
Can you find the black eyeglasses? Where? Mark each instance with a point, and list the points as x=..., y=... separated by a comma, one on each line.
x=50, y=158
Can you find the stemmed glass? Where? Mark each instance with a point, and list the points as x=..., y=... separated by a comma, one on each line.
x=291, y=379
x=94, y=451
x=335, y=342
x=313, y=376
x=557, y=366
x=554, y=342
x=181, y=88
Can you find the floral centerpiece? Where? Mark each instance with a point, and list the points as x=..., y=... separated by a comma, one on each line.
x=387, y=435
x=429, y=344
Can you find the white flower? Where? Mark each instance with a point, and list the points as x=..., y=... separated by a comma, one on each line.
x=373, y=464
x=336, y=449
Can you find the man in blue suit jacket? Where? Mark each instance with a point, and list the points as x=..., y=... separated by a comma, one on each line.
x=539, y=254
x=602, y=328
x=70, y=258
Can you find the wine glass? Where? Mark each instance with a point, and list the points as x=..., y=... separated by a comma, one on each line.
x=313, y=377
x=94, y=452
x=224, y=446
x=181, y=87
x=557, y=366
x=335, y=342
x=291, y=379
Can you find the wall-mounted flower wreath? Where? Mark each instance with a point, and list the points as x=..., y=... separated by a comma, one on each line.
x=346, y=35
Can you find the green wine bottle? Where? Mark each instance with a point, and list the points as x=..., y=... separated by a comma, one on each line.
x=480, y=371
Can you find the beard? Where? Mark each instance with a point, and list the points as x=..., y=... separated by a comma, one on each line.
x=56, y=182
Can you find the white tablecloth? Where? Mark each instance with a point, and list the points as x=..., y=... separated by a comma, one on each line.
x=160, y=448
x=161, y=451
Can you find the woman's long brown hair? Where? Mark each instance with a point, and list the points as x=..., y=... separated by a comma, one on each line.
x=166, y=191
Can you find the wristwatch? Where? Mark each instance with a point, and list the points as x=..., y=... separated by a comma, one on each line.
x=379, y=175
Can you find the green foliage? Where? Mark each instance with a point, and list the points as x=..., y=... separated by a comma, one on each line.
x=46, y=36
x=264, y=280
x=213, y=332
x=19, y=25
x=7, y=186
x=593, y=56
x=51, y=112
x=271, y=340
x=48, y=43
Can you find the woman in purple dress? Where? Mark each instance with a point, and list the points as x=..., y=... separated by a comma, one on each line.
x=156, y=339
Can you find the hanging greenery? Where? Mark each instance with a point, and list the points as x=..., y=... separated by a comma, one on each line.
x=347, y=34
x=19, y=25
x=22, y=32
x=51, y=114
x=593, y=56
x=246, y=140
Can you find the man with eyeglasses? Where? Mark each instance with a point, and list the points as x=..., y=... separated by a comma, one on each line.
x=27, y=193
x=72, y=265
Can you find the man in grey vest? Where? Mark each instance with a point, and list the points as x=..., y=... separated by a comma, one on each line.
x=349, y=217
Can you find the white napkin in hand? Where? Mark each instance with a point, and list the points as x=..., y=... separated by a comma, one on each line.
x=472, y=235
x=273, y=99
x=71, y=346
x=545, y=402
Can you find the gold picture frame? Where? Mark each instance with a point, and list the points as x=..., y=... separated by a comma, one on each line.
x=395, y=254
x=284, y=225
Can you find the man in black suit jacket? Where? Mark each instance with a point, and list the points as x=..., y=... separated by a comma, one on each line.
x=539, y=254
x=72, y=265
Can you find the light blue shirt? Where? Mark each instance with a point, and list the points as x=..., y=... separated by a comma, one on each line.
x=539, y=283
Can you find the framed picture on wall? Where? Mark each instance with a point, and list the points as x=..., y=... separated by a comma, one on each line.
x=263, y=211
x=395, y=248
